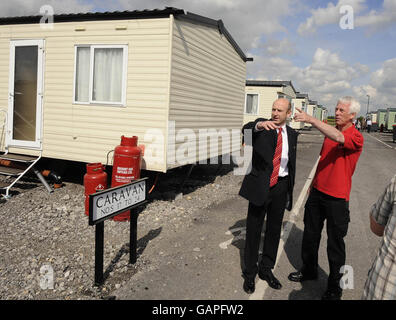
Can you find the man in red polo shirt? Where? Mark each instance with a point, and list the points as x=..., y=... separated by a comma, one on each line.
x=329, y=195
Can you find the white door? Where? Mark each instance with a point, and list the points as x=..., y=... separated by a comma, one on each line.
x=25, y=93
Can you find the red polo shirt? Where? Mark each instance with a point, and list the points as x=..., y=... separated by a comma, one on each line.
x=337, y=164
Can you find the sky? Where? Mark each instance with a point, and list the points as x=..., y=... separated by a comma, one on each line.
x=328, y=49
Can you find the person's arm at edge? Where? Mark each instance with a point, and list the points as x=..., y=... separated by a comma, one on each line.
x=381, y=211
x=376, y=228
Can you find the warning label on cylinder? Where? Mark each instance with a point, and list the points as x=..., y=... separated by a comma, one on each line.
x=124, y=179
x=122, y=170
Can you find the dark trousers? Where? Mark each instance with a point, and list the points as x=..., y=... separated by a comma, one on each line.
x=274, y=208
x=318, y=208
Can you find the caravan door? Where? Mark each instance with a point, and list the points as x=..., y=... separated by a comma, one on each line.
x=25, y=93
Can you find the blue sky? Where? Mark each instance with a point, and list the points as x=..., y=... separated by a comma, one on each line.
x=295, y=40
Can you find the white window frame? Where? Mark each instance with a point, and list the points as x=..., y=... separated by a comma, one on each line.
x=37, y=144
x=92, y=48
x=258, y=104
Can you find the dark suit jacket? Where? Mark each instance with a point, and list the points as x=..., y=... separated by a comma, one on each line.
x=255, y=185
x=250, y=126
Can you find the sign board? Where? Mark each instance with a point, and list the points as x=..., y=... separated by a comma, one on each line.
x=110, y=202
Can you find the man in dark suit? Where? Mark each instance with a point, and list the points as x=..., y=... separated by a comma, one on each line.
x=269, y=189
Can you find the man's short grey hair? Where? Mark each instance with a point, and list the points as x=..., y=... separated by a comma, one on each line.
x=354, y=105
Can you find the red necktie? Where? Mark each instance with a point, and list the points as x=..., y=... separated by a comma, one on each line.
x=277, y=159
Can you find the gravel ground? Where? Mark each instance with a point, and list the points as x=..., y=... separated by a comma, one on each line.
x=39, y=229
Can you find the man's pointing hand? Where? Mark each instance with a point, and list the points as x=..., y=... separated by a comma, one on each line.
x=301, y=116
x=267, y=125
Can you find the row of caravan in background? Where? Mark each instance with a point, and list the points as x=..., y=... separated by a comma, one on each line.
x=261, y=94
x=385, y=118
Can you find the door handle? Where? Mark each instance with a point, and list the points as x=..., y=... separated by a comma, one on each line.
x=15, y=93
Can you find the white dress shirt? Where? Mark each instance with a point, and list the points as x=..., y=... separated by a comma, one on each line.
x=283, y=170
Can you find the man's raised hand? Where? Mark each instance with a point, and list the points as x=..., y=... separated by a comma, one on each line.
x=267, y=125
x=301, y=116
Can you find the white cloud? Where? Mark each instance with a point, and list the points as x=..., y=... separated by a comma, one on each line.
x=382, y=87
x=276, y=47
x=23, y=7
x=327, y=98
x=271, y=68
x=374, y=20
x=247, y=21
x=319, y=17
x=326, y=79
x=364, y=90
x=328, y=15
x=378, y=20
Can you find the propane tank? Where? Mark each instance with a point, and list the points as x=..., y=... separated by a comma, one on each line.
x=94, y=180
x=126, y=167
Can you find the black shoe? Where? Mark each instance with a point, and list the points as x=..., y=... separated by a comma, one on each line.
x=332, y=295
x=249, y=286
x=270, y=278
x=299, y=276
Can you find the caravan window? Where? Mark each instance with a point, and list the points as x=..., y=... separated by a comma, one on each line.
x=100, y=74
x=251, y=106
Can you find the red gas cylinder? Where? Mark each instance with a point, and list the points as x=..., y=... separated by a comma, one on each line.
x=126, y=167
x=94, y=180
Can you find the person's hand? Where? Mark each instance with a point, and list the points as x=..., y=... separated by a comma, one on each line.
x=267, y=125
x=301, y=116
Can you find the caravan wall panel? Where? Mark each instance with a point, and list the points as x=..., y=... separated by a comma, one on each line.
x=207, y=90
